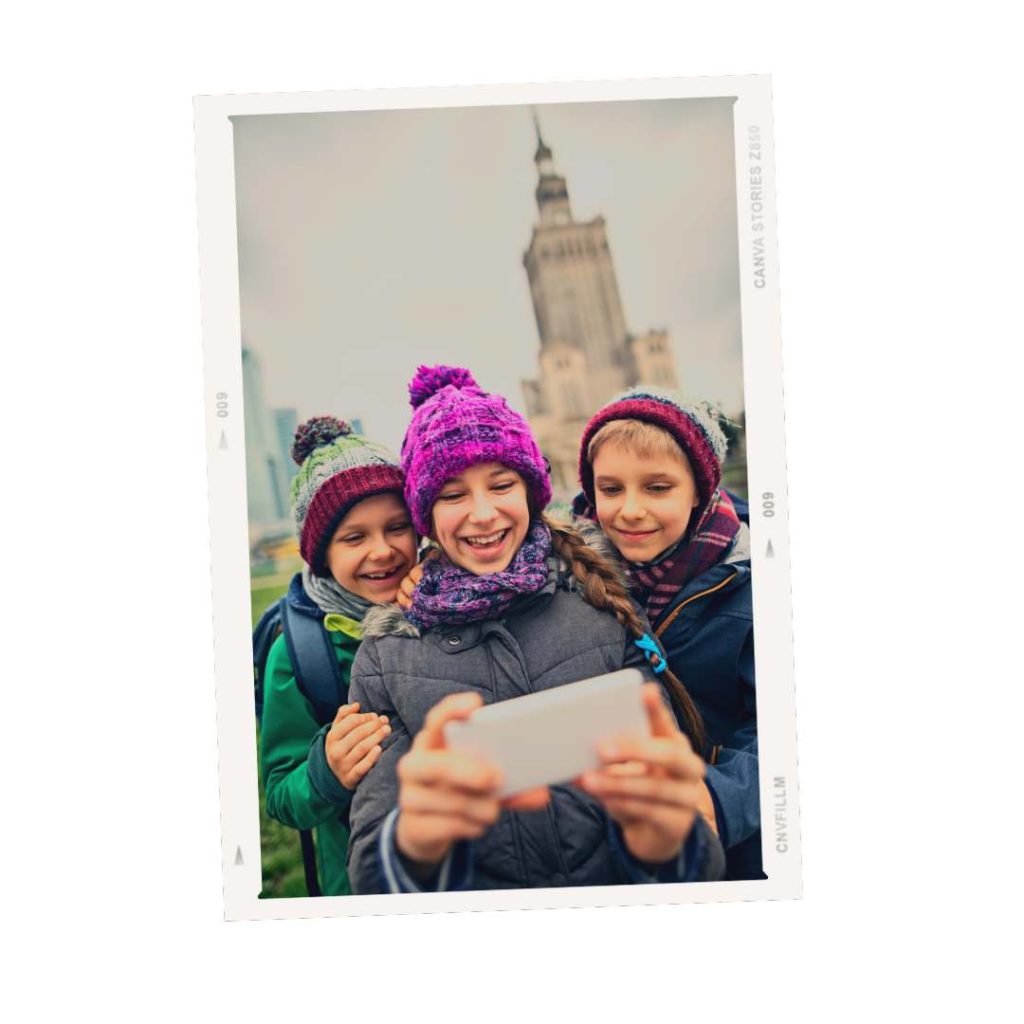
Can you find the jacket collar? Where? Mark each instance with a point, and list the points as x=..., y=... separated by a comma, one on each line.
x=731, y=572
x=300, y=601
x=595, y=539
x=387, y=620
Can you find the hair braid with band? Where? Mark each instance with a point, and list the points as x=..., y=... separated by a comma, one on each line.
x=603, y=589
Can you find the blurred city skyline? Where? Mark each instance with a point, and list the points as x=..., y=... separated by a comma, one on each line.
x=371, y=242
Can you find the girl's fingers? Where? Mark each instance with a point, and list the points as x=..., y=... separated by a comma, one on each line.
x=365, y=745
x=660, y=718
x=428, y=829
x=431, y=800
x=448, y=769
x=675, y=757
x=451, y=708
x=669, y=820
x=628, y=768
x=528, y=800
x=706, y=805
x=651, y=789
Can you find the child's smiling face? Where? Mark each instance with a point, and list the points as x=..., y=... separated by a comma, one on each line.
x=481, y=517
x=644, y=501
x=373, y=548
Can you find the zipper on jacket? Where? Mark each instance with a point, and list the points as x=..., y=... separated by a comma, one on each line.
x=693, y=597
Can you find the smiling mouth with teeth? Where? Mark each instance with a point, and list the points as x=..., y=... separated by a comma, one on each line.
x=488, y=541
x=381, y=575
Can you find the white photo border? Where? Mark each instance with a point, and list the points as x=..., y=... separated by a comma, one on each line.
x=766, y=469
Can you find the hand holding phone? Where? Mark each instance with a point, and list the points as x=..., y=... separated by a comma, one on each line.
x=445, y=794
x=553, y=736
x=651, y=787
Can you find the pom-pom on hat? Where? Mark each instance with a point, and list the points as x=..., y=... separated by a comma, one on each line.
x=693, y=424
x=337, y=469
x=456, y=425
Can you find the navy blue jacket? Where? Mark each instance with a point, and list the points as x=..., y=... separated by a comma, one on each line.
x=708, y=636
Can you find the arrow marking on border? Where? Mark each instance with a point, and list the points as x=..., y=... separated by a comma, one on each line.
x=770, y=553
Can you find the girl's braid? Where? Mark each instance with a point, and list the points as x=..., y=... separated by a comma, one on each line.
x=603, y=589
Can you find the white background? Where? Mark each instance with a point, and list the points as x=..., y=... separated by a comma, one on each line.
x=899, y=158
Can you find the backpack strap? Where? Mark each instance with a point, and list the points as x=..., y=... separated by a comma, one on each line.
x=267, y=630
x=314, y=662
x=309, y=862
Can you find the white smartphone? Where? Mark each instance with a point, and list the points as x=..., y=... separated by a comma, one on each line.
x=551, y=737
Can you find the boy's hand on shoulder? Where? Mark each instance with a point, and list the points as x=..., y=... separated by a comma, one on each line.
x=353, y=743
x=653, y=787
x=408, y=585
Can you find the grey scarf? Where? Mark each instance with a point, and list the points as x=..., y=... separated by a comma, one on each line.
x=331, y=597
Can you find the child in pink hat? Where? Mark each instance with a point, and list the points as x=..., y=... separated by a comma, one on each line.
x=512, y=604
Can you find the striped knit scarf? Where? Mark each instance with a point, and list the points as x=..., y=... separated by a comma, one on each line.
x=450, y=595
x=656, y=583
x=332, y=598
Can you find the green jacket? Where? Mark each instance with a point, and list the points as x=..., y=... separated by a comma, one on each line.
x=300, y=790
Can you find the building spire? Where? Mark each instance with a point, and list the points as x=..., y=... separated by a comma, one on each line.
x=552, y=192
x=543, y=151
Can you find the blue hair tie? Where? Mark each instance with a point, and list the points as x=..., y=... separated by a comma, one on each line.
x=646, y=644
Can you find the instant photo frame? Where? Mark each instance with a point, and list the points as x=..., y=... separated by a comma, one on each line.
x=346, y=238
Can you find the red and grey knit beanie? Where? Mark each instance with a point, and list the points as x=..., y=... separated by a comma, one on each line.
x=693, y=424
x=456, y=425
x=337, y=470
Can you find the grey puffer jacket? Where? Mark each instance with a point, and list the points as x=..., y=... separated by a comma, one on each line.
x=549, y=639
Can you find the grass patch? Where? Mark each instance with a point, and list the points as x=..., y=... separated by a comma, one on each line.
x=280, y=855
x=265, y=590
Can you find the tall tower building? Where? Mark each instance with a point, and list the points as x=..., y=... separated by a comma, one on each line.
x=586, y=351
x=285, y=423
x=266, y=476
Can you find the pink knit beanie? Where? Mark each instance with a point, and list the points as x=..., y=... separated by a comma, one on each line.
x=456, y=425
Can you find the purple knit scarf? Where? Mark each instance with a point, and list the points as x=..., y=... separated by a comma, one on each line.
x=655, y=584
x=449, y=595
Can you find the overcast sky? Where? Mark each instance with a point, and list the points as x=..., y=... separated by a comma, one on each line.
x=370, y=242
